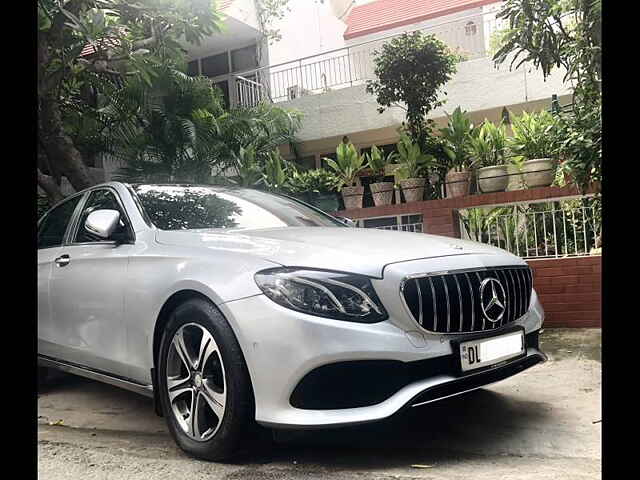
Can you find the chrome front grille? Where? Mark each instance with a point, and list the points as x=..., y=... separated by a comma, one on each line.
x=450, y=302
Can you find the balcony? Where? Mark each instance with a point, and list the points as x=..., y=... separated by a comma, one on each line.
x=330, y=88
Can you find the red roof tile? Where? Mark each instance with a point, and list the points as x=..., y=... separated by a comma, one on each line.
x=387, y=14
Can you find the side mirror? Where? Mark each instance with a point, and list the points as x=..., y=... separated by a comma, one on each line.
x=102, y=223
x=348, y=222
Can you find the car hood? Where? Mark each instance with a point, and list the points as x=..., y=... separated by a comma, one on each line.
x=357, y=250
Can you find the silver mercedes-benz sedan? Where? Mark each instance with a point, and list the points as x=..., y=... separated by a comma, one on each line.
x=235, y=307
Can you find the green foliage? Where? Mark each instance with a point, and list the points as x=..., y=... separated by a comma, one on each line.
x=580, y=144
x=377, y=161
x=168, y=131
x=276, y=170
x=456, y=138
x=488, y=145
x=411, y=69
x=316, y=181
x=133, y=42
x=535, y=135
x=413, y=163
x=564, y=33
x=248, y=171
x=347, y=165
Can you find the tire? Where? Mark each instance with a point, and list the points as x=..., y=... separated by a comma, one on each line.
x=220, y=385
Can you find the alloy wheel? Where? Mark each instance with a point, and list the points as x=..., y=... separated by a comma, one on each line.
x=196, y=382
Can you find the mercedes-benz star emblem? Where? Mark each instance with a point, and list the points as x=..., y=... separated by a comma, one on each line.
x=493, y=299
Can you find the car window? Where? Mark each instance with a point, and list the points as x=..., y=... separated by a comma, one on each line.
x=99, y=200
x=199, y=207
x=54, y=224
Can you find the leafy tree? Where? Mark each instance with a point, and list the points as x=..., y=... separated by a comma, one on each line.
x=564, y=33
x=127, y=41
x=411, y=70
x=166, y=132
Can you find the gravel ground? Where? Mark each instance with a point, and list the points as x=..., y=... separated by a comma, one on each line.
x=541, y=424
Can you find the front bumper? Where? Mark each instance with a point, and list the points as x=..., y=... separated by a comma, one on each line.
x=282, y=346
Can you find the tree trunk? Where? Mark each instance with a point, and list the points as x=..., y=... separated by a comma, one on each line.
x=50, y=187
x=59, y=147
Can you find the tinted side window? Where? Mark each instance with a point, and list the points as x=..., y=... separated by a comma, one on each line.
x=99, y=200
x=51, y=231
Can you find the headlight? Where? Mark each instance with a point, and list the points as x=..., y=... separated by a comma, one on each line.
x=335, y=295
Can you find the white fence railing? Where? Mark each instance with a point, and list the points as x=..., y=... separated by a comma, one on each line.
x=407, y=227
x=469, y=35
x=535, y=233
x=249, y=92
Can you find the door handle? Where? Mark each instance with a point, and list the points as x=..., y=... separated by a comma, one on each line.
x=62, y=261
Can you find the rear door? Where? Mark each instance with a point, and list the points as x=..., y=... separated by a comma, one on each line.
x=87, y=293
x=52, y=231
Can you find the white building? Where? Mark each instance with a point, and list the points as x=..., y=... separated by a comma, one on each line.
x=324, y=58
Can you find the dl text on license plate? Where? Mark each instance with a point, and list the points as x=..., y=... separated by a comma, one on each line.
x=487, y=351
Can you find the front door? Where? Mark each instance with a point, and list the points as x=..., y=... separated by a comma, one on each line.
x=87, y=292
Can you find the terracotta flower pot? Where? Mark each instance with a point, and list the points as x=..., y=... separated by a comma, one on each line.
x=516, y=182
x=538, y=172
x=458, y=183
x=413, y=189
x=382, y=193
x=493, y=179
x=352, y=197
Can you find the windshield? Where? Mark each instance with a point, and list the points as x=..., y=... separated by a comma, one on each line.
x=174, y=207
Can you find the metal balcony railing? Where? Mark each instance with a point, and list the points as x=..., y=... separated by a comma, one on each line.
x=353, y=65
x=542, y=232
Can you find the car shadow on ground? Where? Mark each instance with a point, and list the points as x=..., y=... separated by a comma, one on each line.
x=471, y=424
x=475, y=423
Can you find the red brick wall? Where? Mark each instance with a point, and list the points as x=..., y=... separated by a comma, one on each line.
x=569, y=290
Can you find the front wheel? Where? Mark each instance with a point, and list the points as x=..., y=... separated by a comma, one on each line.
x=204, y=385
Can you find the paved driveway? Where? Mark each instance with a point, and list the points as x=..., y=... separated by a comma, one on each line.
x=541, y=424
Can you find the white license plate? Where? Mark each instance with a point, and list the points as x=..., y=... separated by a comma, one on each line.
x=488, y=351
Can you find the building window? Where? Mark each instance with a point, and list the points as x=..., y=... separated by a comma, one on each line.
x=192, y=68
x=244, y=59
x=215, y=65
x=470, y=29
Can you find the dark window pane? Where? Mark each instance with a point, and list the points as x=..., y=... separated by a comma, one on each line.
x=215, y=65
x=187, y=208
x=99, y=200
x=224, y=86
x=192, y=68
x=244, y=58
x=306, y=163
x=52, y=228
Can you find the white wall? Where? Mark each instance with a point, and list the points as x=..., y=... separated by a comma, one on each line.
x=477, y=86
x=308, y=29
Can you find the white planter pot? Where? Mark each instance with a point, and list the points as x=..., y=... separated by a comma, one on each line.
x=493, y=179
x=413, y=189
x=516, y=182
x=352, y=197
x=539, y=172
x=382, y=193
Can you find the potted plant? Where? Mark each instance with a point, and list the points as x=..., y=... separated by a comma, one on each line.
x=316, y=187
x=534, y=139
x=413, y=163
x=487, y=147
x=456, y=137
x=381, y=191
x=514, y=170
x=347, y=165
